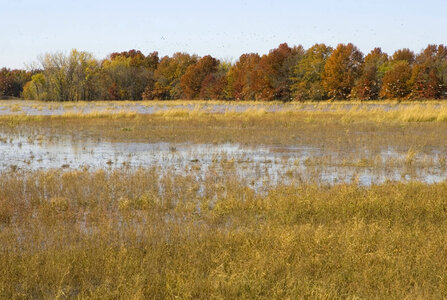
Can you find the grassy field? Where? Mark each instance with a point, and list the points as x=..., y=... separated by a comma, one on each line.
x=152, y=232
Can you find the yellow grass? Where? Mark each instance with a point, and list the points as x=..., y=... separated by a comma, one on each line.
x=155, y=233
x=351, y=111
x=83, y=234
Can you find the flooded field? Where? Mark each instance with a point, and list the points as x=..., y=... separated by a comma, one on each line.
x=156, y=200
x=262, y=165
x=266, y=147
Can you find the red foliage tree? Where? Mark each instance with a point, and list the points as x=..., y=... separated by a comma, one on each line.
x=193, y=80
x=427, y=76
x=368, y=85
x=276, y=70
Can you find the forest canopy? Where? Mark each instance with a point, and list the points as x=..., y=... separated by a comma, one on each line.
x=285, y=73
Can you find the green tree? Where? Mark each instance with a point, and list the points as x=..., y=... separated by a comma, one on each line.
x=307, y=75
x=128, y=74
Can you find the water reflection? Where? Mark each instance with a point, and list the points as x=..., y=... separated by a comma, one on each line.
x=262, y=165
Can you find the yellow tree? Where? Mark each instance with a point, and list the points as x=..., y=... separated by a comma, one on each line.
x=36, y=89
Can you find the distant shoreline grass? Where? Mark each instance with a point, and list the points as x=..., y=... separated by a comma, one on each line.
x=350, y=111
x=416, y=127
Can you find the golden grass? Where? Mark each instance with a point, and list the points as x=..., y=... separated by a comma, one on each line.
x=325, y=130
x=154, y=233
x=352, y=111
x=151, y=234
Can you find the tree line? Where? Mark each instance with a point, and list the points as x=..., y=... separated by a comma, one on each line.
x=285, y=73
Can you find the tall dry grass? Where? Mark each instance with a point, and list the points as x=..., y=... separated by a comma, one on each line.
x=377, y=111
x=150, y=233
x=157, y=233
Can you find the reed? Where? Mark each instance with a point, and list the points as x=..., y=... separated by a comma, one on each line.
x=209, y=231
x=149, y=233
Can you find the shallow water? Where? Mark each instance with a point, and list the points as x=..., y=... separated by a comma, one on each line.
x=262, y=166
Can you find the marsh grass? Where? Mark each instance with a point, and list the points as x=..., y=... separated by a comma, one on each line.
x=209, y=233
x=352, y=111
x=328, y=130
x=149, y=233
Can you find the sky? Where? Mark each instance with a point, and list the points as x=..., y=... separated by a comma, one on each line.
x=224, y=29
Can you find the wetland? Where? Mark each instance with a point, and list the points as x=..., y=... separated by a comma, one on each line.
x=194, y=199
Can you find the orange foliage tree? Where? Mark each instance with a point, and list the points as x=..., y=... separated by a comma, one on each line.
x=341, y=71
x=396, y=81
x=243, y=76
x=167, y=77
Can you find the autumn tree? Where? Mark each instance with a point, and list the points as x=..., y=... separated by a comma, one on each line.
x=342, y=69
x=193, y=79
x=167, y=77
x=36, y=88
x=129, y=73
x=427, y=80
x=276, y=72
x=215, y=85
x=243, y=76
x=284, y=73
x=397, y=74
x=56, y=71
x=369, y=84
x=425, y=83
x=151, y=61
x=12, y=82
x=68, y=77
x=307, y=75
x=404, y=54
x=396, y=80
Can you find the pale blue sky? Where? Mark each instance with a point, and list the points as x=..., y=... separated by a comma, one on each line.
x=224, y=29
